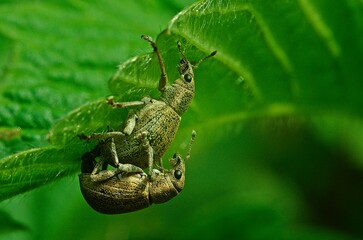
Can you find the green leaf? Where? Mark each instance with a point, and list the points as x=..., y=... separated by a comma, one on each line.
x=278, y=110
x=48, y=70
x=33, y=168
x=8, y=224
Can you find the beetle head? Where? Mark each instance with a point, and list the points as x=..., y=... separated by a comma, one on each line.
x=177, y=172
x=185, y=69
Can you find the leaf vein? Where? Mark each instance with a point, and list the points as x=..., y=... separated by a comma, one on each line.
x=312, y=15
x=228, y=60
x=276, y=49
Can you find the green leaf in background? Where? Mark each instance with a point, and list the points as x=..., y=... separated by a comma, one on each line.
x=9, y=225
x=278, y=112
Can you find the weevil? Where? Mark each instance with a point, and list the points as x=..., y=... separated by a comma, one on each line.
x=128, y=192
x=149, y=131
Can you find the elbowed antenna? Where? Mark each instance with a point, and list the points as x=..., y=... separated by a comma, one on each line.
x=181, y=52
x=194, y=134
x=205, y=58
x=200, y=61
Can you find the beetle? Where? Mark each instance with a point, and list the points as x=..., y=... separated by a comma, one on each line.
x=149, y=131
x=127, y=192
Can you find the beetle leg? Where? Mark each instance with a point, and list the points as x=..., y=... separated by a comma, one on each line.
x=89, y=160
x=150, y=151
x=101, y=136
x=107, y=174
x=130, y=123
x=111, y=102
x=97, y=175
x=122, y=167
x=163, y=78
x=147, y=100
x=97, y=167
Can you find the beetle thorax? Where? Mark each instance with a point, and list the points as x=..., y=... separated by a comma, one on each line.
x=177, y=97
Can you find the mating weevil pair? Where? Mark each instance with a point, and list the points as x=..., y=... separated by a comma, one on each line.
x=133, y=191
x=148, y=132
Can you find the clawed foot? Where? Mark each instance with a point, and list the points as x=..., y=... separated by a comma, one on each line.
x=82, y=136
x=110, y=101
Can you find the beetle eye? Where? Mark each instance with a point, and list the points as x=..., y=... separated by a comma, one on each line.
x=187, y=77
x=178, y=174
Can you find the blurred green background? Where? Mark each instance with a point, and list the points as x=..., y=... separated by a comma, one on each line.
x=278, y=112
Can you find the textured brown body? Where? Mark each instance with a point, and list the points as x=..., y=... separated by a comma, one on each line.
x=116, y=196
x=146, y=136
x=133, y=191
x=161, y=123
x=148, y=132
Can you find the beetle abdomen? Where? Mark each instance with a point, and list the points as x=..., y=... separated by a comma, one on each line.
x=113, y=196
